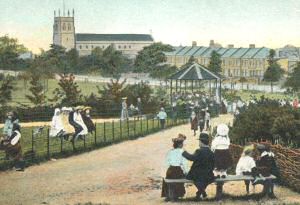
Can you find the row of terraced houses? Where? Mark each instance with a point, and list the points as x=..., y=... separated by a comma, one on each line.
x=236, y=62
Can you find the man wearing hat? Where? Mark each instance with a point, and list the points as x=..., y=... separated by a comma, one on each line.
x=201, y=171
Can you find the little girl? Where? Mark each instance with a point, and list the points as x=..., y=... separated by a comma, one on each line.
x=220, y=146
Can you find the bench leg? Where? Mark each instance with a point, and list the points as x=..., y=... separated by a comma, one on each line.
x=247, y=183
x=219, y=191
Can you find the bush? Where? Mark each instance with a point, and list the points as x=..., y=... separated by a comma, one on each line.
x=267, y=120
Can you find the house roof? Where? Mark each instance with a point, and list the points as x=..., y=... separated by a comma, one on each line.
x=195, y=72
x=112, y=37
x=201, y=51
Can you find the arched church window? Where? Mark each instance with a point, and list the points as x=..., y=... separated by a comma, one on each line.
x=64, y=26
x=69, y=26
x=55, y=27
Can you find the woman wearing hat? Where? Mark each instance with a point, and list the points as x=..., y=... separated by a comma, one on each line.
x=220, y=146
x=194, y=122
x=86, y=117
x=177, y=169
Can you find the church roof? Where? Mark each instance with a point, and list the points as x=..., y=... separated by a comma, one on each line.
x=113, y=37
x=195, y=72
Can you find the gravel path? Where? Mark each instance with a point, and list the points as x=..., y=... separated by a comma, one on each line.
x=125, y=173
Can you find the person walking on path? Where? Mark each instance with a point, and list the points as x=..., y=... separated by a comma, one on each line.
x=194, y=122
x=124, y=112
x=202, y=168
x=139, y=106
x=162, y=116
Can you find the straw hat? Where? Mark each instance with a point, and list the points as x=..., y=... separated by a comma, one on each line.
x=79, y=107
x=87, y=108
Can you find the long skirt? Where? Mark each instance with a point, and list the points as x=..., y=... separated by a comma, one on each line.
x=194, y=124
x=178, y=189
x=223, y=159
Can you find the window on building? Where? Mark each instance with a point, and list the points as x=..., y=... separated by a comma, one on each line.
x=69, y=26
x=124, y=47
x=103, y=47
x=80, y=47
x=129, y=46
x=64, y=26
x=67, y=39
x=87, y=47
x=119, y=47
x=92, y=46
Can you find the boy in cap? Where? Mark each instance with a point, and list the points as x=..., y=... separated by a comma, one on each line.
x=201, y=171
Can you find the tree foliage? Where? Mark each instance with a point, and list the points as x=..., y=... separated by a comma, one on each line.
x=37, y=96
x=266, y=119
x=151, y=57
x=6, y=89
x=10, y=50
x=215, y=62
x=68, y=93
x=293, y=79
x=113, y=91
x=274, y=72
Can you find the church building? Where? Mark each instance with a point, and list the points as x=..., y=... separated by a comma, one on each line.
x=64, y=35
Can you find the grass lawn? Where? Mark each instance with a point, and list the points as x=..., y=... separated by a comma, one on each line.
x=22, y=89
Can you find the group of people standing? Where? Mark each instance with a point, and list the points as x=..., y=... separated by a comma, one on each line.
x=75, y=122
x=213, y=162
x=126, y=111
x=10, y=141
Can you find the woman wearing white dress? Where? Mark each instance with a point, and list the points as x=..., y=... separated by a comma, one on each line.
x=56, y=124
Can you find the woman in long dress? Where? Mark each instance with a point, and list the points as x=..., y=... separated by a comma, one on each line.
x=177, y=169
x=57, y=127
x=194, y=122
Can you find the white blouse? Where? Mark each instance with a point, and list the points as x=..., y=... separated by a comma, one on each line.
x=245, y=164
x=220, y=142
x=175, y=158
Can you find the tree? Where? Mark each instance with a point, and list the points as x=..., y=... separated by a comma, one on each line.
x=151, y=57
x=140, y=90
x=10, y=50
x=55, y=60
x=37, y=96
x=68, y=93
x=72, y=58
x=113, y=91
x=243, y=80
x=274, y=71
x=293, y=79
x=215, y=62
x=6, y=89
x=113, y=62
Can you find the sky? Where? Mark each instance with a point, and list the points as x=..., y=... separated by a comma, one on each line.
x=269, y=23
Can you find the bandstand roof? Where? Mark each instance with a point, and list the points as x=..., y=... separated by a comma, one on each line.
x=195, y=72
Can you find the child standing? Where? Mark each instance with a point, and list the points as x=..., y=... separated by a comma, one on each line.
x=220, y=147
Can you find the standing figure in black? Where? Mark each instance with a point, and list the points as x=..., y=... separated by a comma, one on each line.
x=202, y=168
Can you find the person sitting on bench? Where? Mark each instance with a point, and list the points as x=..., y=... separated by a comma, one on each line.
x=266, y=166
x=246, y=165
x=177, y=169
x=202, y=168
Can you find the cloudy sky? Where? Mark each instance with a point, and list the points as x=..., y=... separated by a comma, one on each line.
x=270, y=23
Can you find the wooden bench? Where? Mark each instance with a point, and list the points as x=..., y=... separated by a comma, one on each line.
x=220, y=182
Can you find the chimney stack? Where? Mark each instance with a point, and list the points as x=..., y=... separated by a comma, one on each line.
x=251, y=45
x=194, y=43
x=230, y=46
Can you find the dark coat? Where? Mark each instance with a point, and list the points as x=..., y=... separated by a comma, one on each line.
x=88, y=122
x=203, y=165
x=266, y=166
x=73, y=123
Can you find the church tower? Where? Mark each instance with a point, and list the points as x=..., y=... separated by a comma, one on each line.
x=64, y=30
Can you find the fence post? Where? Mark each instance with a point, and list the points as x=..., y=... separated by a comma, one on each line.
x=61, y=145
x=141, y=125
x=134, y=126
x=104, y=132
x=120, y=129
x=84, y=144
x=127, y=128
x=32, y=145
x=113, y=130
x=48, y=144
x=95, y=134
x=147, y=125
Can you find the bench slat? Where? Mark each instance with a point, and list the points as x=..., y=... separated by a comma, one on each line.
x=228, y=178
